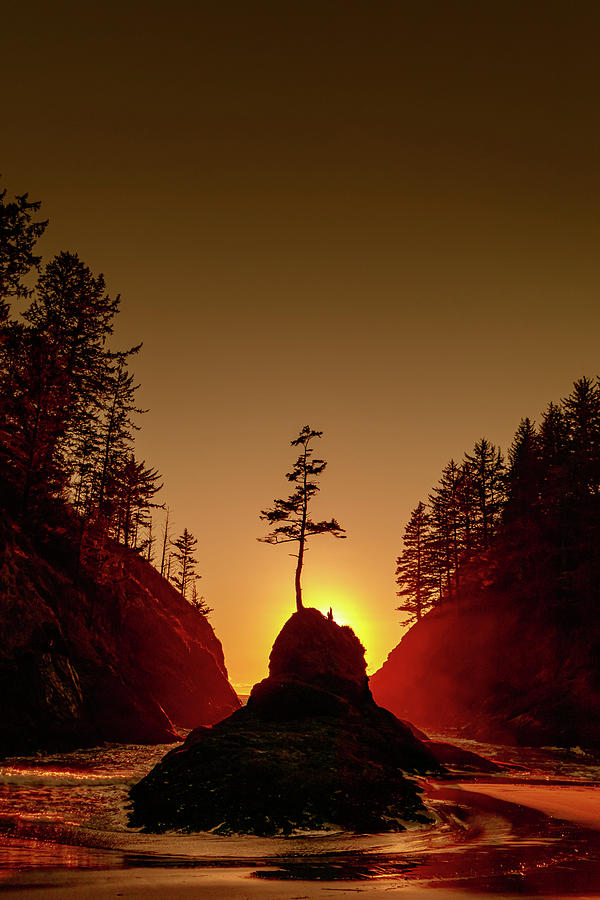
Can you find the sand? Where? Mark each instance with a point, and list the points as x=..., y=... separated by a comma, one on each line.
x=136, y=884
x=506, y=847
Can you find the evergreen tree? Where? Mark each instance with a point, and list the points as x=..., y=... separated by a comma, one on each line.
x=554, y=440
x=118, y=425
x=59, y=374
x=413, y=573
x=198, y=602
x=533, y=530
x=466, y=505
x=165, y=544
x=67, y=401
x=524, y=477
x=553, y=436
x=34, y=419
x=290, y=516
x=185, y=575
x=129, y=501
x=18, y=236
x=487, y=469
x=447, y=519
x=149, y=542
x=582, y=416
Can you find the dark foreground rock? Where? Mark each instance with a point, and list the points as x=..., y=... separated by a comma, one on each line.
x=119, y=657
x=310, y=750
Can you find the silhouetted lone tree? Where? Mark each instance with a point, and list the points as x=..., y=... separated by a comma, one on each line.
x=290, y=517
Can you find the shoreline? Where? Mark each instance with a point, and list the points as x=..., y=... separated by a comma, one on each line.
x=216, y=884
x=532, y=831
x=514, y=840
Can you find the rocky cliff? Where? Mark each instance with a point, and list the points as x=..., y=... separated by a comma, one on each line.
x=123, y=658
x=497, y=668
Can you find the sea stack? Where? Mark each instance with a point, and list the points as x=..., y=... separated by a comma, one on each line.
x=311, y=750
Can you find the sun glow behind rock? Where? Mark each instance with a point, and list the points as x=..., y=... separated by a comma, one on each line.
x=347, y=610
x=351, y=606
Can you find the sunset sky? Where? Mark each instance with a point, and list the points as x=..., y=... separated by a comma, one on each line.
x=378, y=219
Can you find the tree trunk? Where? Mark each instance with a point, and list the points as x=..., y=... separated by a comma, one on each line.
x=107, y=446
x=299, y=603
x=164, y=547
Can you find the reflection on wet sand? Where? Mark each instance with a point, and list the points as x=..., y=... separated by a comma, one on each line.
x=523, y=833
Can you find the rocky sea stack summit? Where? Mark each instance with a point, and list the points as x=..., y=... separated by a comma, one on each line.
x=311, y=750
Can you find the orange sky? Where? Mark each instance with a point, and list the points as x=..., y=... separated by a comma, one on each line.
x=379, y=219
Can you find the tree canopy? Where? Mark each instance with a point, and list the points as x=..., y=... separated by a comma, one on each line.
x=290, y=517
x=533, y=523
x=68, y=410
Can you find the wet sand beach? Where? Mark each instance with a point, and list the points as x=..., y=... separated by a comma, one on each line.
x=534, y=832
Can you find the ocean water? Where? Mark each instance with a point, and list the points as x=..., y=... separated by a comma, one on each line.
x=535, y=826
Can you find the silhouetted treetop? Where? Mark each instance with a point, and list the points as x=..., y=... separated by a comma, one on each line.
x=68, y=414
x=415, y=576
x=534, y=524
x=289, y=516
x=185, y=548
x=18, y=236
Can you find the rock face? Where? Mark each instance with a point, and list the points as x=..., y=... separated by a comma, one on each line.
x=310, y=750
x=499, y=672
x=81, y=662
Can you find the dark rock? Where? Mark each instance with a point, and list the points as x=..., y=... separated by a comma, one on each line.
x=123, y=658
x=310, y=750
x=314, y=649
x=498, y=670
x=457, y=758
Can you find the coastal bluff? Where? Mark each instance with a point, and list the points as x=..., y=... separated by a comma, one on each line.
x=499, y=669
x=120, y=658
